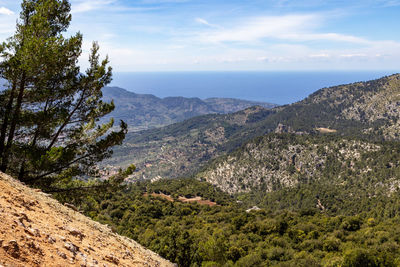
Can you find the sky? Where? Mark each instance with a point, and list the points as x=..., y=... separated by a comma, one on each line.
x=234, y=35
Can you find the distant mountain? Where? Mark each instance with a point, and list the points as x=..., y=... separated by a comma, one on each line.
x=143, y=111
x=367, y=113
x=181, y=148
x=368, y=110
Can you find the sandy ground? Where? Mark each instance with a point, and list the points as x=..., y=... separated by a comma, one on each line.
x=198, y=200
x=36, y=230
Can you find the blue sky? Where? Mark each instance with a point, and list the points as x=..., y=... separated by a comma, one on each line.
x=190, y=35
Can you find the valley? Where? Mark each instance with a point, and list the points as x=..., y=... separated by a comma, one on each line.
x=366, y=110
x=314, y=183
x=145, y=111
x=94, y=175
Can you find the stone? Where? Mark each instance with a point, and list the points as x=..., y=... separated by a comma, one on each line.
x=76, y=232
x=35, y=248
x=71, y=206
x=12, y=248
x=111, y=258
x=33, y=232
x=51, y=239
x=62, y=254
x=62, y=238
x=71, y=247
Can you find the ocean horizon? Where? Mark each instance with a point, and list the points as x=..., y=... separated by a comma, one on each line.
x=278, y=87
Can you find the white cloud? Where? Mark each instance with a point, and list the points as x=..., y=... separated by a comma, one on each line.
x=6, y=11
x=205, y=22
x=357, y=55
x=289, y=27
x=324, y=37
x=80, y=6
x=321, y=55
x=257, y=28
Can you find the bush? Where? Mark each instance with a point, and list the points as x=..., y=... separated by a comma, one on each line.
x=351, y=224
x=360, y=258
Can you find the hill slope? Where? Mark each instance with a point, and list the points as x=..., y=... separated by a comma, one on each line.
x=369, y=110
x=278, y=161
x=179, y=149
x=143, y=111
x=36, y=230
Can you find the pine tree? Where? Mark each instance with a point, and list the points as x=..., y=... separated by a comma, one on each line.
x=49, y=121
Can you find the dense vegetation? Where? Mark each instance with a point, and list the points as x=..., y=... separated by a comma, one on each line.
x=346, y=214
x=227, y=235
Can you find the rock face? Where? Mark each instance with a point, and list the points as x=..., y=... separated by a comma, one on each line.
x=281, y=161
x=36, y=230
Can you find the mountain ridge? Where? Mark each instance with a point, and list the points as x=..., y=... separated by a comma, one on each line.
x=143, y=111
x=179, y=149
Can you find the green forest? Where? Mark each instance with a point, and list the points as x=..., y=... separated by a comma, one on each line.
x=226, y=235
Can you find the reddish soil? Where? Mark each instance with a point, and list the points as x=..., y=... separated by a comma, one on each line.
x=198, y=200
x=161, y=195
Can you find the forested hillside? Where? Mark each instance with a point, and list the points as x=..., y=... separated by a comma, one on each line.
x=144, y=111
x=226, y=234
x=368, y=110
x=314, y=183
x=278, y=161
x=179, y=149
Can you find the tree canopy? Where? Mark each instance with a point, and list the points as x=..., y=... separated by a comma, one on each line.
x=49, y=116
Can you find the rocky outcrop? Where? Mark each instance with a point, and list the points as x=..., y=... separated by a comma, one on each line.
x=36, y=230
x=280, y=161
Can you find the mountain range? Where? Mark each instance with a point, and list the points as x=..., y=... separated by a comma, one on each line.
x=313, y=183
x=368, y=110
x=143, y=111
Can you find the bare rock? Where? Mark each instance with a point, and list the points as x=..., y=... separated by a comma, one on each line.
x=76, y=232
x=62, y=238
x=62, y=254
x=127, y=255
x=12, y=248
x=23, y=217
x=71, y=206
x=51, y=239
x=83, y=258
x=35, y=248
x=111, y=258
x=33, y=232
x=71, y=247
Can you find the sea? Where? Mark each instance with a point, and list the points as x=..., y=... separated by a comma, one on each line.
x=278, y=87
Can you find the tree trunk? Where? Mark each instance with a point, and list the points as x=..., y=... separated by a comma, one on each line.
x=14, y=121
x=7, y=113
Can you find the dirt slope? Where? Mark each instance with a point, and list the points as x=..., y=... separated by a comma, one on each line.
x=36, y=230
